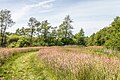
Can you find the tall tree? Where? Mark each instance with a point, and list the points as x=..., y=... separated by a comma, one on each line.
x=53, y=36
x=65, y=29
x=33, y=23
x=38, y=29
x=5, y=22
x=45, y=29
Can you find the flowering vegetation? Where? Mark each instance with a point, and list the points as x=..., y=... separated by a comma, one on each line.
x=67, y=63
x=5, y=53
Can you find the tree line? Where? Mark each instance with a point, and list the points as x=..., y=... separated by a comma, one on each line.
x=109, y=36
x=38, y=33
x=41, y=33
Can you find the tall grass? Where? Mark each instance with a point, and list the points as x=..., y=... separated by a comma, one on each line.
x=79, y=64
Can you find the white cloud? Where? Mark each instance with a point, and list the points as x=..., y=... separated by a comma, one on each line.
x=41, y=3
x=19, y=14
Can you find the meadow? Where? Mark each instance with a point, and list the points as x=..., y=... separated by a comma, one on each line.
x=71, y=63
x=59, y=63
x=81, y=46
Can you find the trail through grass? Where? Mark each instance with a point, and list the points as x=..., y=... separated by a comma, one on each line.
x=24, y=67
x=60, y=63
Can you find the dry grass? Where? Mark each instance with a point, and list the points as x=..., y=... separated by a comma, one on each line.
x=78, y=64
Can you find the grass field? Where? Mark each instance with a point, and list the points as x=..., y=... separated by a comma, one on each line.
x=71, y=63
x=63, y=63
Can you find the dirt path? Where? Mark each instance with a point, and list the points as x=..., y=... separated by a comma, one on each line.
x=24, y=67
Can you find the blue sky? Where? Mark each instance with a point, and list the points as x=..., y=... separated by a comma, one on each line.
x=91, y=15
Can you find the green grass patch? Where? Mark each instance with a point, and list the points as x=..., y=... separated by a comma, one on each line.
x=25, y=66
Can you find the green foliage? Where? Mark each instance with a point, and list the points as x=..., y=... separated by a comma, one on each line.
x=113, y=42
x=18, y=41
x=23, y=42
x=91, y=40
x=23, y=31
x=59, y=42
x=65, y=29
x=13, y=38
x=12, y=45
x=45, y=30
x=67, y=41
x=108, y=36
x=80, y=38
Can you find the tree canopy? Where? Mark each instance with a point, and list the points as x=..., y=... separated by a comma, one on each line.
x=108, y=36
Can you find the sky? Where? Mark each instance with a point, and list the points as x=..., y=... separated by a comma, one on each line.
x=91, y=15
